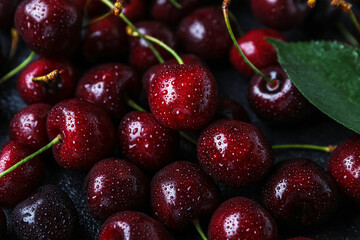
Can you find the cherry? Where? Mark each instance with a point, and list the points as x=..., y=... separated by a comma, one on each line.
x=52, y=91
x=7, y=11
x=241, y=218
x=87, y=133
x=133, y=225
x=234, y=153
x=204, y=33
x=108, y=86
x=299, y=192
x=231, y=110
x=279, y=101
x=19, y=184
x=183, y=97
x=2, y=223
x=280, y=14
x=144, y=142
x=29, y=126
x=113, y=185
x=344, y=167
x=259, y=52
x=166, y=12
x=48, y=214
x=180, y=193
x=50, y=28
x=141, y=56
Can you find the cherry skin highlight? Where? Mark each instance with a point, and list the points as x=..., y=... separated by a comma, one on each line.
x=87, y=133
x=183, y=97
x=231, y=110
x=234, y=153
x=114, y=185
x=139, y=226
x=241, y=218
x=180, y=193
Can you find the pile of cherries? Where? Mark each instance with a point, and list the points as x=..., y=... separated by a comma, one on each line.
x=140, y=179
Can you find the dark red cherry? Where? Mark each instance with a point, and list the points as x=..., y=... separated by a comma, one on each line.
x=180, y=193
x=113, y=185
x=280, y=14
x=231, y=110
x=50, y=28
x=279, y=101
x=108, y=86
x=259, y=52
x=48, y=214
x=299, y=192
x=29, y=126
x=50, y=92
x=204, y=33
x=134, y=226
x=88, y=134
x=2, y=224
x=234, y=153
x=141, y=56
x=183, y=97
x=167, y=13
x=7, y=11
x=241, y=218
x=146, y=143
x=344, y=167
x=18, y=184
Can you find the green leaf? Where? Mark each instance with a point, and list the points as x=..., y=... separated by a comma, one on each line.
x=327, y=74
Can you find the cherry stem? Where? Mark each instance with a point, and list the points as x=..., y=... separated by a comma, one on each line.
x=237, y=25
x=38, y=152
x=328, y=149
x=14, y=43
x=18, y=68
x=50, y=78
x=97, y=19
x=130, y=24
x=199, y=230
x=354, y=20
x=347, y=35
x=225, y=9
x=187, y=137
x=176, y=4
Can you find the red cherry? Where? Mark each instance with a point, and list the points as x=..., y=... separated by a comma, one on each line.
x=180, y=193
x=231, y=110
x=113, y=185
x=234, y=153
x=134, y=225
x=7, y=11
x=87, y=133
x=259, y=52
x=146, y=143
x=2, y=224
x=29, y=126
x=299, y=192
x=42, y=92
x=108, y=86
x=50, y=28
x=344, y=167
x=183, y=97
x=19, y=184
x=242, y=218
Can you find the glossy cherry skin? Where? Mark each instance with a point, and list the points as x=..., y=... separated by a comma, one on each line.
x=280, y=102
x=344, y=167
x=231, y=110
x=241, y=218
x=180, y=193
x=51, y=93
x=259, y=52
x=183, y=97
x=204, y=34
x=2, y=224
x=108, y=86
x=88, y=134
x=234, y=153
x=50, y=28
x=105, y=39
x=299, y=192
x=167, y=13
x=146, y=143
x=133, y=225
x=141, y=56
x=7, y=11
x=114, y=185
x=19, y=184
x=280, y=14
x=48, y=214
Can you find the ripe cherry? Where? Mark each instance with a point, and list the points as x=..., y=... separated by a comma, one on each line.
x=231, y=110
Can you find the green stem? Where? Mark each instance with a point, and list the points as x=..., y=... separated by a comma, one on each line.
x=175, y=3
x=38, y=152
x=328, y=149
x=18, y=68
x=97, y=19
x=14, y=43
x=199, y=230
x=350, y=38
x=187, y=137
x=354, y=20
x=237, y=25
